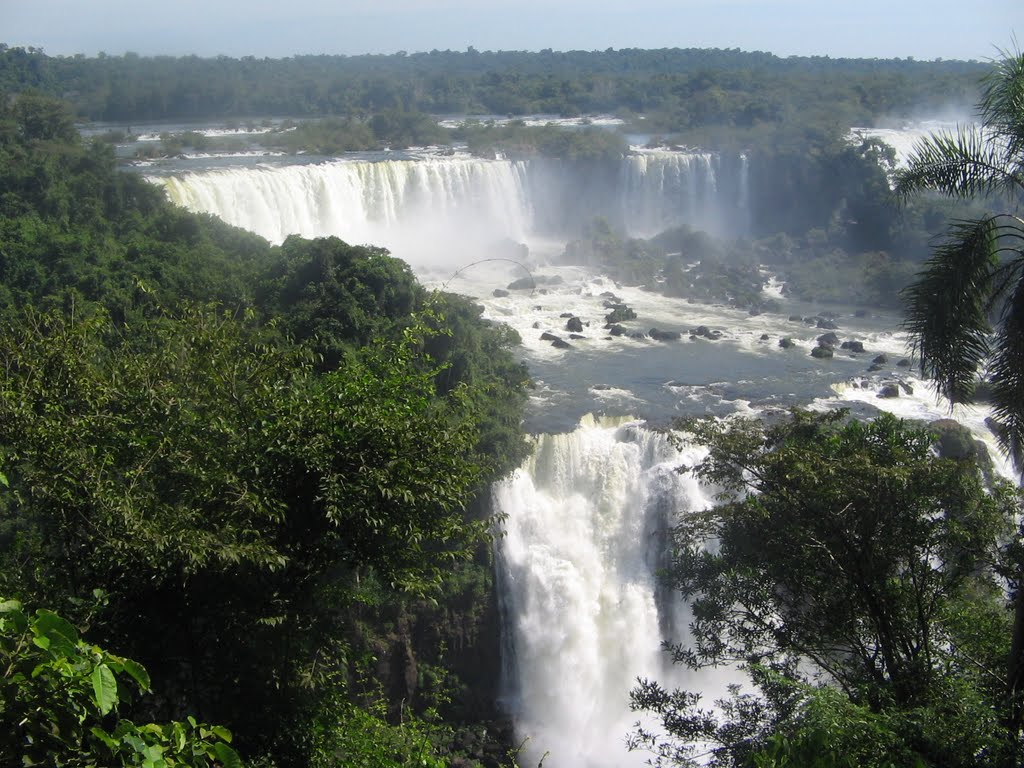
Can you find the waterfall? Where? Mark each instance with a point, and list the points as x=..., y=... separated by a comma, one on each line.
x=744, y=201
x=442, y=211
x=584, y=536
x=663, y=189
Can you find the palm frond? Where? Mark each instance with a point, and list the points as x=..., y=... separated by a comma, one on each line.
x=966, y=163
x=1009, y=235
x=1006, y=373
x=1002, y=103
x=947, y=305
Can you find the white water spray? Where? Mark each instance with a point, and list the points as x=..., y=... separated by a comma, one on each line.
x=587, y=521
x=428, y=210
x=448, y=210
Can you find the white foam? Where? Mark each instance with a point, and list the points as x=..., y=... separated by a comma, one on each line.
x=923, y=404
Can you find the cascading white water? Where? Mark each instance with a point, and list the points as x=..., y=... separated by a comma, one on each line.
x=585, y=534
x=443, y=211
x=663, y=189
x=431, y=208
x=744, y=201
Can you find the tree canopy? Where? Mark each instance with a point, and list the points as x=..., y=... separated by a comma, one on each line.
x=258, y=456
x=843, y=571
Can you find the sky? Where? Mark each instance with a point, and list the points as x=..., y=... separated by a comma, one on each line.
x=922, y=29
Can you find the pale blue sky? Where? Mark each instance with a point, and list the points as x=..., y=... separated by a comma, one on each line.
x=924, y=29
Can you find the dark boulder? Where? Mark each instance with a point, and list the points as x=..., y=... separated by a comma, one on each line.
x=889, y=389
x=659, y=335
x=853, y=346
x=534, y=281
x=828, y=339
x=499, y=293
x=822, y=353
x=954, y=441
x=881, y=360
x=825, y=324
x=619, y=313
x=786, y=343
x=574, y=324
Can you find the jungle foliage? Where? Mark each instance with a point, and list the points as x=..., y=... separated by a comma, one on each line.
x=860, y=583
x=253, y=453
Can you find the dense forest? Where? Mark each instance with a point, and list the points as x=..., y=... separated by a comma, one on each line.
x=261, y=472
x=258, y=472
x=690, y=87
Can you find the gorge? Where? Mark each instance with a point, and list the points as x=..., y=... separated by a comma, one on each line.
x=585, y=517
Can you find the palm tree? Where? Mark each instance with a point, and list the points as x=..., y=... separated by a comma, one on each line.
x=965, y=312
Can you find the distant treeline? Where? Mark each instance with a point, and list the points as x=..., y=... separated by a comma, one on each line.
x=677, y=89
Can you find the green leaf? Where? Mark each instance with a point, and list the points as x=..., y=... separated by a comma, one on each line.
x=221, y=732
x=138, y=673
x=112, y=743
x=154, y=753
x=104, y=687
x=177, y=736
x=62, y=637
x=227, y=755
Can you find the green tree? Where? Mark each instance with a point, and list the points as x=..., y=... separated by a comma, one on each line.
x=842, y=562
x=965, y=311
x=217, y=484
x=59, y=700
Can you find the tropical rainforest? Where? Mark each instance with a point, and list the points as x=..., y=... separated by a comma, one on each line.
x=260, y=473
x=244, y=488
